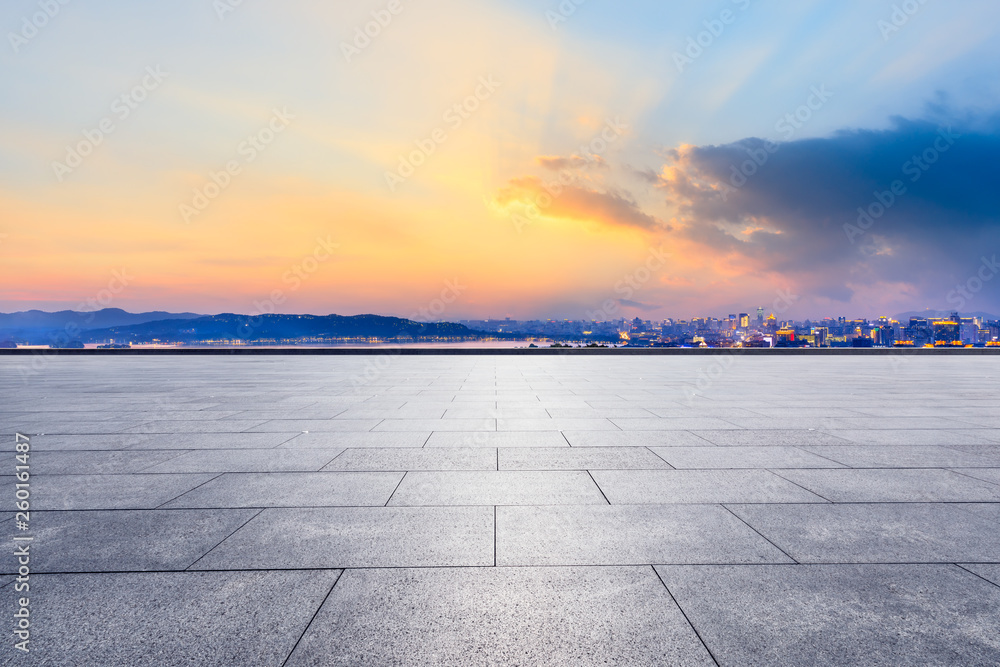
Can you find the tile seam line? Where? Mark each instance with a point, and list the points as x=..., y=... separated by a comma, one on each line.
x=313, y=618
x=219, y=543
x=398, y=484
x=684, y=614
x=771, y=470
x=603, y=495
x=976, y=574
x=764, y=537
x=184, y=493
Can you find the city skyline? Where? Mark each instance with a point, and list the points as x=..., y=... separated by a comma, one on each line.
x=537, y=160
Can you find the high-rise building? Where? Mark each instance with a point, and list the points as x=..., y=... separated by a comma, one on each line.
x=744, y=321
x=760, y=315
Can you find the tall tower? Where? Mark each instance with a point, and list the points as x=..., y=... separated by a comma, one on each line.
x=760, y=315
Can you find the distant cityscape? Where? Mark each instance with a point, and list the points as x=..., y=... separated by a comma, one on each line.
x=762, y=331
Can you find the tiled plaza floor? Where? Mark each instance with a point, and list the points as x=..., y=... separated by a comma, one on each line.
x=506, y=510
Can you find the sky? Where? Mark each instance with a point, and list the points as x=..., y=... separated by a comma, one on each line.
x=530, y=159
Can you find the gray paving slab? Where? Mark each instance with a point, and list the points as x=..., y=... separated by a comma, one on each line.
x=397, y=425
x=634, y=439
x=861, y=615
x=125, y=540
x=579, y=458
x=551, y=424
x=644, y=487
x=350, y=537
x=770, y=438
x=900, y=456
x=902, y=486
x=500, y=616
x=494, y=440
x=919, y=437
x=674, y=424
x=429, y=458
x=126, y=491
x=213, y=441
x=742, y=457
x=176, y=426
x=989, y=511
x=876, y=533
x=329, y=440
x=48, y=462
x=627, y=535
x=172, y=618
x=247, y=460
x=293, y=489
x=497, y=488
x=315, y=425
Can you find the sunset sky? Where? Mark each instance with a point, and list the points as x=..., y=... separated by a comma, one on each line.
x=564, y=161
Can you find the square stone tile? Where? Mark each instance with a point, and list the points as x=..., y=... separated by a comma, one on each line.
x=770, y=438
x=175, y=618
x=839, y=614
x=429, y=458
x=293, y=489
x=635, y=439
x=497, y=488
x=391, y=425
x=627, y=535
x=582, y=458
x=674, y=424
x=550, y=424
x=494, y=440
x=214, y=441
x=493, y=616
x=248, y=460
x=741, y=457
x=316, y=425
x=900, y=456
x=350, y=537
x=329, y=440
x=876, y=533
x=177, y=426
x=900, y=486
x=654, y=487
x=68, y=462
x=92, y=492
x=125, y=540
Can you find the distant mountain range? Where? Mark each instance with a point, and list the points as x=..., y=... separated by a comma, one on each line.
x=39, y=328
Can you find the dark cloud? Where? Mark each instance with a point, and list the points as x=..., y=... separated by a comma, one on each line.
x=794, y=207
x=645, y=307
